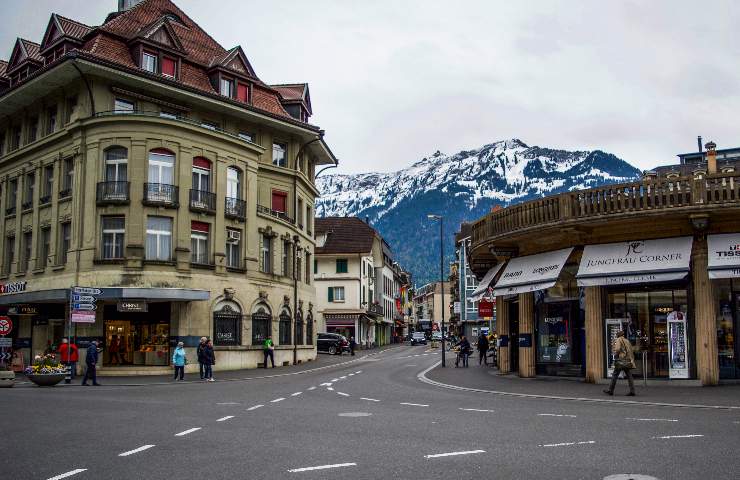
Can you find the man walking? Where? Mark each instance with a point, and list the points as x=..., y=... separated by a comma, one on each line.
x=69, y=356
x=482, y=349
x=269, y=351
x=202, y=358
x=91, y=360
x=352, y=345
x=624, y=361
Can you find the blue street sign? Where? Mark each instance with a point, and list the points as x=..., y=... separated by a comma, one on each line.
x=83, y=298
x=84, y=306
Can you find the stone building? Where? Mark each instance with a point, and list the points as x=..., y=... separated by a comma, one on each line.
x=143, y=159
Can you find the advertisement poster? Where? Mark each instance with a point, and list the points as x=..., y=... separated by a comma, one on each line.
x=613, y=326
x=677, y=351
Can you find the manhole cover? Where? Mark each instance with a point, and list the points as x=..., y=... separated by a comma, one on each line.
x=355, y=414
x=630, y=476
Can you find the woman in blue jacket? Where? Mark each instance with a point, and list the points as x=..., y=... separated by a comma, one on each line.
x=178, y=360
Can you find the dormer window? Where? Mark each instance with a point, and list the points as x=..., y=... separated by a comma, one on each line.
x=227, y=87
x=149, y=62
x=169, y=67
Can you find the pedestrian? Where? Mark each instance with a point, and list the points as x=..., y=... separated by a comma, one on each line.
x=201, y=357
x=113, y=348
x=91, y=360
x=210, y=360
x=68, y=355
x=269, y=350
x=624, y=361
x=178, y=360
x=482, y=349
x=464, y=351
x=352, y=345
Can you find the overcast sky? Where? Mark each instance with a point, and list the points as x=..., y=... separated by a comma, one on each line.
x=393, y=81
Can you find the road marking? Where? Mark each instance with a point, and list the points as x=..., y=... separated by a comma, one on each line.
x=189, y=430
x=311, y=388
x=555, y=415
x=652, y=419
x=678, y=436
x=68, y=474
x=254, y=407
x=295, y=394
x=228, y=403
x=343, y=394
x=277, y=400
x=135, y=450
x=343, y=377
x=351, y=374
x=358, y=371
x=330, y=389
x=322, y=467
x=451, y=454
x=414, y=404
x=223, y=419
x=334, y=380
x=325, y=384
x=476, y=410
x=369, y=399
x=567, y=444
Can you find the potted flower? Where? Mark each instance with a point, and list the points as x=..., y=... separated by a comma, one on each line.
x=46, y=370
x=7, y=376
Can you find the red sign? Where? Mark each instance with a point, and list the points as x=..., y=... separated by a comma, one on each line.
x=485, y=309
x=435, y=327
x=6, y=325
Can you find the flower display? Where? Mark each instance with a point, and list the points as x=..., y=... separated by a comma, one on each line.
x=45, y=364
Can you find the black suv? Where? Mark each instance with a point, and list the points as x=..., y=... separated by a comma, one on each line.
x=331, y=343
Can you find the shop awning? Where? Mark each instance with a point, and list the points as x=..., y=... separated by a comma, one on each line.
x=640, y=261
x=724, y=255
x=61, y=295
x=533, y=272
x=482, y=287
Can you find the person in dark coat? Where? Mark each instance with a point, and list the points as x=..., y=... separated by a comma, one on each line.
x=91, y=360
x=482, y=349
x=464, y=346
x=209, y=356
x=201, y=357
x=352, y=345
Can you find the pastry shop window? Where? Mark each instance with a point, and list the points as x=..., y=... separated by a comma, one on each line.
x=137, y=338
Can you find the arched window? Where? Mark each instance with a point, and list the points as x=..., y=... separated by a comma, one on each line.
x=299, y=328
x=284, y=330
x=227, y=323
x=261, y=324
x=201, y=174
x=309, y=329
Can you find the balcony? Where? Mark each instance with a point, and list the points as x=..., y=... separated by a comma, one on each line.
x=112, y=193
x=161, y=194
x=636, y=200
x=65, y=193
x=275, y=213
x=44, y=200
x=202, y=201
x=235, y=208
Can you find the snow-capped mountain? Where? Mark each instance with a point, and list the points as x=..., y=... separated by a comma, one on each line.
x=462, y=187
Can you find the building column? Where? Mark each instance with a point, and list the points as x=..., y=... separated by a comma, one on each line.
x=705, y=314
x=594, y=339
x=502, y=317
x=526, y=327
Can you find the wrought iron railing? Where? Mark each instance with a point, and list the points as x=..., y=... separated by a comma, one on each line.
x=275, y=213
x=235, y=208
x=202, y=200
x=161, y=194
x=113, y=192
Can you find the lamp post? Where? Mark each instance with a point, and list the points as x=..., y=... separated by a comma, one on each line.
x=441, y=278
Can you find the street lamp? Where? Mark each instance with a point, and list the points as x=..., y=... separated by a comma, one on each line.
x=441, y=277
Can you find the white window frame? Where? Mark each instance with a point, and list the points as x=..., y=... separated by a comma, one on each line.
x=228, y=84
x=233, y=250
x=161, y=165
x=117, y=236
x=337, y=297
x=149, y=62
x=159, y=234
x=116, y=163
x=284, y=148
x=121, y=105
x=233, y=183
x=200, y=174
x=267, y=261
x=198, y=247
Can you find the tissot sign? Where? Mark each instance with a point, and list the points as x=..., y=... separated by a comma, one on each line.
x=638, y=261
x=724, y=255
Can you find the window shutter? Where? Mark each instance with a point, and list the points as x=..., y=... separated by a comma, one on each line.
x=242, y=93
x=168, y=66
x=331, y=294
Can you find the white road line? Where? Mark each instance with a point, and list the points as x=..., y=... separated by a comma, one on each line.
x=358, y=371
x=351, y=375
x=567, y=444
x=476, y=410
x=223, y=419
x=322, y=467
x=334, y=380
x=555, y=415
x=452, y=454
x=135, y=450
x=277, y=400
x=677, y=436
x=343, y=377
x=652, y=419
x=343, y=394
x=369, y=399
x=414, y=404
x=311, y=388
x=330, y=389
x=325, y=384
x=189, y=430
x=295, y=394
x=68, y=474
x=254, y=407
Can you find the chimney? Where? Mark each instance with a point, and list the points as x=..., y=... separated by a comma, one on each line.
x=711, y=157
x=698, y=141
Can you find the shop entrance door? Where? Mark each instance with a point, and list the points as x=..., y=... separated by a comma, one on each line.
x=514, y=335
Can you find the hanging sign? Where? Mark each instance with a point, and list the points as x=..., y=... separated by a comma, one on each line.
x=485, y=309
x=723, y=253
x=83, y=317
x=132, y=306
x=677, y=352
x=6, y=325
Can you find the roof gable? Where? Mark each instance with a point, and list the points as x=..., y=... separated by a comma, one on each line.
x=236, y=61
x=162, y=33
x=24, y=50
x=345, y=235
x=62, y=27
x=295, y=93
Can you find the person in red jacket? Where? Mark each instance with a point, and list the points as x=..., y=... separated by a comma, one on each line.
x=68, y=355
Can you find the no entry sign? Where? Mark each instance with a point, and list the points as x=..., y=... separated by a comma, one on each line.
x=6, y=325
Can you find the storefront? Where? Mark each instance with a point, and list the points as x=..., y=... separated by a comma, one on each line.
x=724, y=270
x=137, y=337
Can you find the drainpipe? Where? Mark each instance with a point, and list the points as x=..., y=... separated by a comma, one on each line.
x=73, y=55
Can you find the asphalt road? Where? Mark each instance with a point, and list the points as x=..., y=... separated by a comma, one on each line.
x=369, y=418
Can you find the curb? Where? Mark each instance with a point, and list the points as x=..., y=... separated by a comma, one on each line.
x=423, y=378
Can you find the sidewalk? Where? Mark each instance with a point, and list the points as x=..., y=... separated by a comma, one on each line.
x=488, y=379
x=322, y=361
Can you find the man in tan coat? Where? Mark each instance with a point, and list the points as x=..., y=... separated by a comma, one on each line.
x=624, y=361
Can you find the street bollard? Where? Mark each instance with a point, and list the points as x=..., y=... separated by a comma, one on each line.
x=68, y=374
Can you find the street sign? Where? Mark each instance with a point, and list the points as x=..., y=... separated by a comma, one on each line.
x=6, y=325
x=83, y=298
x=6, y=356
x=83, y=317
x=84, y=306
x=485, y=309
x=456, y=307
x=86, y=291
x=6, y=342
x=132, y=306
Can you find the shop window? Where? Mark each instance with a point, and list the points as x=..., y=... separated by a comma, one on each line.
x=137, y=338
x=159, y=238
x=261, y=325
x=169, y=67
x=113, y=230
x=279, y=201
x=266, y=254
x=233, y=248
x=342, y=265
x=199, y=242
x=227, y=87
x=51, y=120
x=727, y=295
x=149, y=61
x=121, y=105
x=279, y=154
x=227, y=324
x=284, y=328
x=44, y=247
x=65, y=241
x=242, y=93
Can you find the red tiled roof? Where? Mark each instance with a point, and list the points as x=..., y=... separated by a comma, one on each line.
x=3, y=67
x=291, y=92
x=345, y=235
x=268, y=101
x=108, y=48
x=73, y=28
x=32, y=49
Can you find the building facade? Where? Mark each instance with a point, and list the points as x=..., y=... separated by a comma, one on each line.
x=430, y=301
x=656, y=258
x=144, y=160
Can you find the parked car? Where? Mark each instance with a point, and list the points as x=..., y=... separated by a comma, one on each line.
x=332, y=343
x=418, y=338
